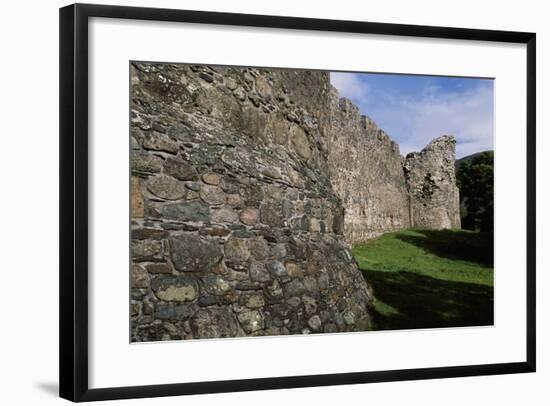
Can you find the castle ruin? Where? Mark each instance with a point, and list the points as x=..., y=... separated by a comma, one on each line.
x=381, y=190
x=248, y=188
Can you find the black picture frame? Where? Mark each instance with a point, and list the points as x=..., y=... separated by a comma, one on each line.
x=73, y=275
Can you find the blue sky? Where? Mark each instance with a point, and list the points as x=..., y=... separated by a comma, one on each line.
x=413, y=110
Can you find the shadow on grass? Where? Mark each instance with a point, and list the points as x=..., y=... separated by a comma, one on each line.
x=454, y=244
x=406, y=300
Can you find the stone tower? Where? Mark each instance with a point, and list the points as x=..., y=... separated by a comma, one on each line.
x=236, y=227
x=431, y=184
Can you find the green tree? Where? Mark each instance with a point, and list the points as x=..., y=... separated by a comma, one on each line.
x=475, y=182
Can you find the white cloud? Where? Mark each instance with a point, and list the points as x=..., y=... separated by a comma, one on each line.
x=468, y=115
x=413, y=120
x=349, y=85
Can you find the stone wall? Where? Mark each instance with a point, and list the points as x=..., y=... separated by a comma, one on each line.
x=236, y=228
x=367, y=173
x=431, y=182
x=380, y=190
x=248, y=187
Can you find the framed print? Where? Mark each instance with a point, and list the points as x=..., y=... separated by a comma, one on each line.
x=256, y=202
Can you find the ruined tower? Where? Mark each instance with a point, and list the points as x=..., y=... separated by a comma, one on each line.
x=236, y=228
x=431, y=184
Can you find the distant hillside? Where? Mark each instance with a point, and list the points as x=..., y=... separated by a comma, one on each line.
x=467, y=158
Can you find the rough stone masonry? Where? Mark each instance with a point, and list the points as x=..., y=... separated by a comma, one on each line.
x=247, y=188
x=380, y=190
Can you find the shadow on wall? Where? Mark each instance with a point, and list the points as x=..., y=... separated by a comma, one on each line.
x=407, y=300
x=466, y=246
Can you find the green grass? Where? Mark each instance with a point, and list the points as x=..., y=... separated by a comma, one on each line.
x=428, y=278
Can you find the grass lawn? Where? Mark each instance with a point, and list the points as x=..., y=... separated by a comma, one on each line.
x=429, y=278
